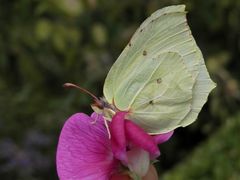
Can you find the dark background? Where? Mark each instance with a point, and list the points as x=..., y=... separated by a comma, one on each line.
x=45, y=43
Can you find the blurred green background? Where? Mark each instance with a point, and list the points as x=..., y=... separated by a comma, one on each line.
x=45, y=43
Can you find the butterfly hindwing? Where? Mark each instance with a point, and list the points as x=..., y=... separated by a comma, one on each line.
x=165, y=31
x=166, y=97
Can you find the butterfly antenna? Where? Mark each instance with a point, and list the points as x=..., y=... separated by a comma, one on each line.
x=70, y=85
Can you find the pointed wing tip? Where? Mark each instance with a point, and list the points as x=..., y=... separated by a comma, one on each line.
x=213, y=85
x=179, y=7
x=169, y=9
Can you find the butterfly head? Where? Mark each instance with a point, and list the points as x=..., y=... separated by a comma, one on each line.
x=99, y=105
x=103, y=107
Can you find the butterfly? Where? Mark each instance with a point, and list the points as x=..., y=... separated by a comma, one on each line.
x=160, y=78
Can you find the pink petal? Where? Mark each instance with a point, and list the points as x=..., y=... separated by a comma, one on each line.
x=161, y=138
x=84, y=150
x=139, y=137
x=118, y=139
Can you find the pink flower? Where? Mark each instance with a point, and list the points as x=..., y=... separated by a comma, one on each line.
x=132, y=145
x=85, y=151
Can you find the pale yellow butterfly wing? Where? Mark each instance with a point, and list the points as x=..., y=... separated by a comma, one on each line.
x=164, y=31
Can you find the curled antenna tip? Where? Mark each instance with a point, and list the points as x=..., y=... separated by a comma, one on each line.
x=71, y=85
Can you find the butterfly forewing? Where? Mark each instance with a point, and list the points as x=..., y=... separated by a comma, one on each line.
x=128, y=83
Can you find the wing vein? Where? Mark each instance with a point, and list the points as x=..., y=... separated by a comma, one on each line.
x=144, y=85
